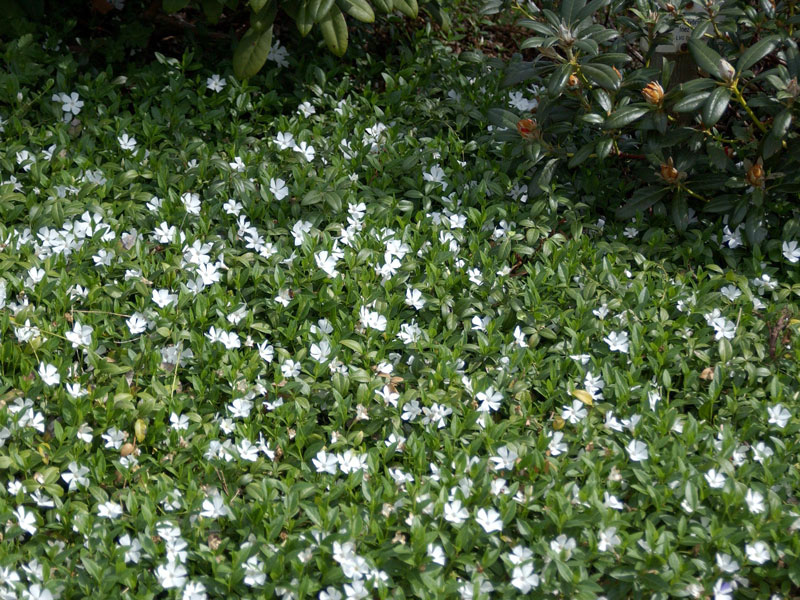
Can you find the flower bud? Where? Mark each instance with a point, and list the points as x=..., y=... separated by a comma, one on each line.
x=670, y=174
x=755, y=174
x=573, y=81
x=726, y=70
x=792, y=87
x=527, y=129
x=653, y=93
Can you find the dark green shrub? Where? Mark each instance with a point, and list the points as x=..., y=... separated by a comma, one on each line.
x=719, y=139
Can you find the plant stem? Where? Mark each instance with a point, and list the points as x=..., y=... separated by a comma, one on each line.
x=737, y=94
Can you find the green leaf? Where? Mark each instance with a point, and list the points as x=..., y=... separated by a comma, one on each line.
x=213, y=10
x=604, y=147
x=171, y=6
x=581, y=155
x=358, y=9
x=318, y=9
x=569, y=10
x=755, y=53
x=257, y=5
x=691, y=103
x=591, y=8
x=706, y=58
x=304, y=19
x=264, y=18
x=601, y=75
x=557, y=81
x=640, y=202
x=251, y=52
x=386, y=6
x=500, y=117
x=715, y=106
x=334, y=30
x=408, y=7
x=625, y=116
x=781, y=124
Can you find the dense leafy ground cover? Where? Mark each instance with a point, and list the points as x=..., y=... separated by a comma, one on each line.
x=305, y=339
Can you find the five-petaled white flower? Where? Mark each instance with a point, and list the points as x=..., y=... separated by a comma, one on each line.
x=617, y=341
x=49, y=374
x=489, y=520
x=637, y=450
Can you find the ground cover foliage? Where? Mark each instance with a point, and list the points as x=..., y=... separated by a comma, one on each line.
x=301, y=337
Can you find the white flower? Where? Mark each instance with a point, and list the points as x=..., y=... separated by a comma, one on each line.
x=191, y=202
x=617, y=342
x=723, y=328
x=26, y=520
x=523, y=578
x=563, y=544
x=137, y=323
x=162, y=298
x=285, y=141
x=306, y=109
x=613, y=502
x=506, y=458
x=575, y=413
x=436, y=554
x=731, y=292
x=109, y=510
x=715, y=479
x=778, y=415
x=290, y=369
x=278, y=188
x=755, y=501
x=723, y=590
x=71, y=104
x=757, y=552
x=126, y=142
x=49, y=374
x=321, y=352
x=306, y=150
x=791, y=251
x=637, y=450
x=414, y=298
x=194, y=590
x=133, y=548
x=608, y=539
x=726, y=563
x=215, y=83
x=489, y=520
x=455, y=513
x=253, y=570
x=325, y=463
x=556, y=446
x=76, y=476
x=171, y=575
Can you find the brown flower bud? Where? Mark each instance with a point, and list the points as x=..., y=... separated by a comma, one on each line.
x=755, y=174
x=573, y=81
x=127, y=449
x=653, y=93
x=527, y=129
x=670, y=174
x=616, y=70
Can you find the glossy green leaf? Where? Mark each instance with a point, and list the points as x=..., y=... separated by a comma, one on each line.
x=691, y=103
x=715, y=106
x=251, y=52
x=559, y=78
x=386, y=6
x=581, y=155
x=304, y=19
x=625, y=116
x=334, y=31
x=755, y=53
x=408, y=7
x=318, y=9
x=358, y=9
x=641, y=201
x=705, y=58
x=601, y=75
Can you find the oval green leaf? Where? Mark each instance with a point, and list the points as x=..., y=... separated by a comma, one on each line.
x=358, y=9
x=625, y=116
x=715, y=106
x=334, y=30
x=251, y=52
